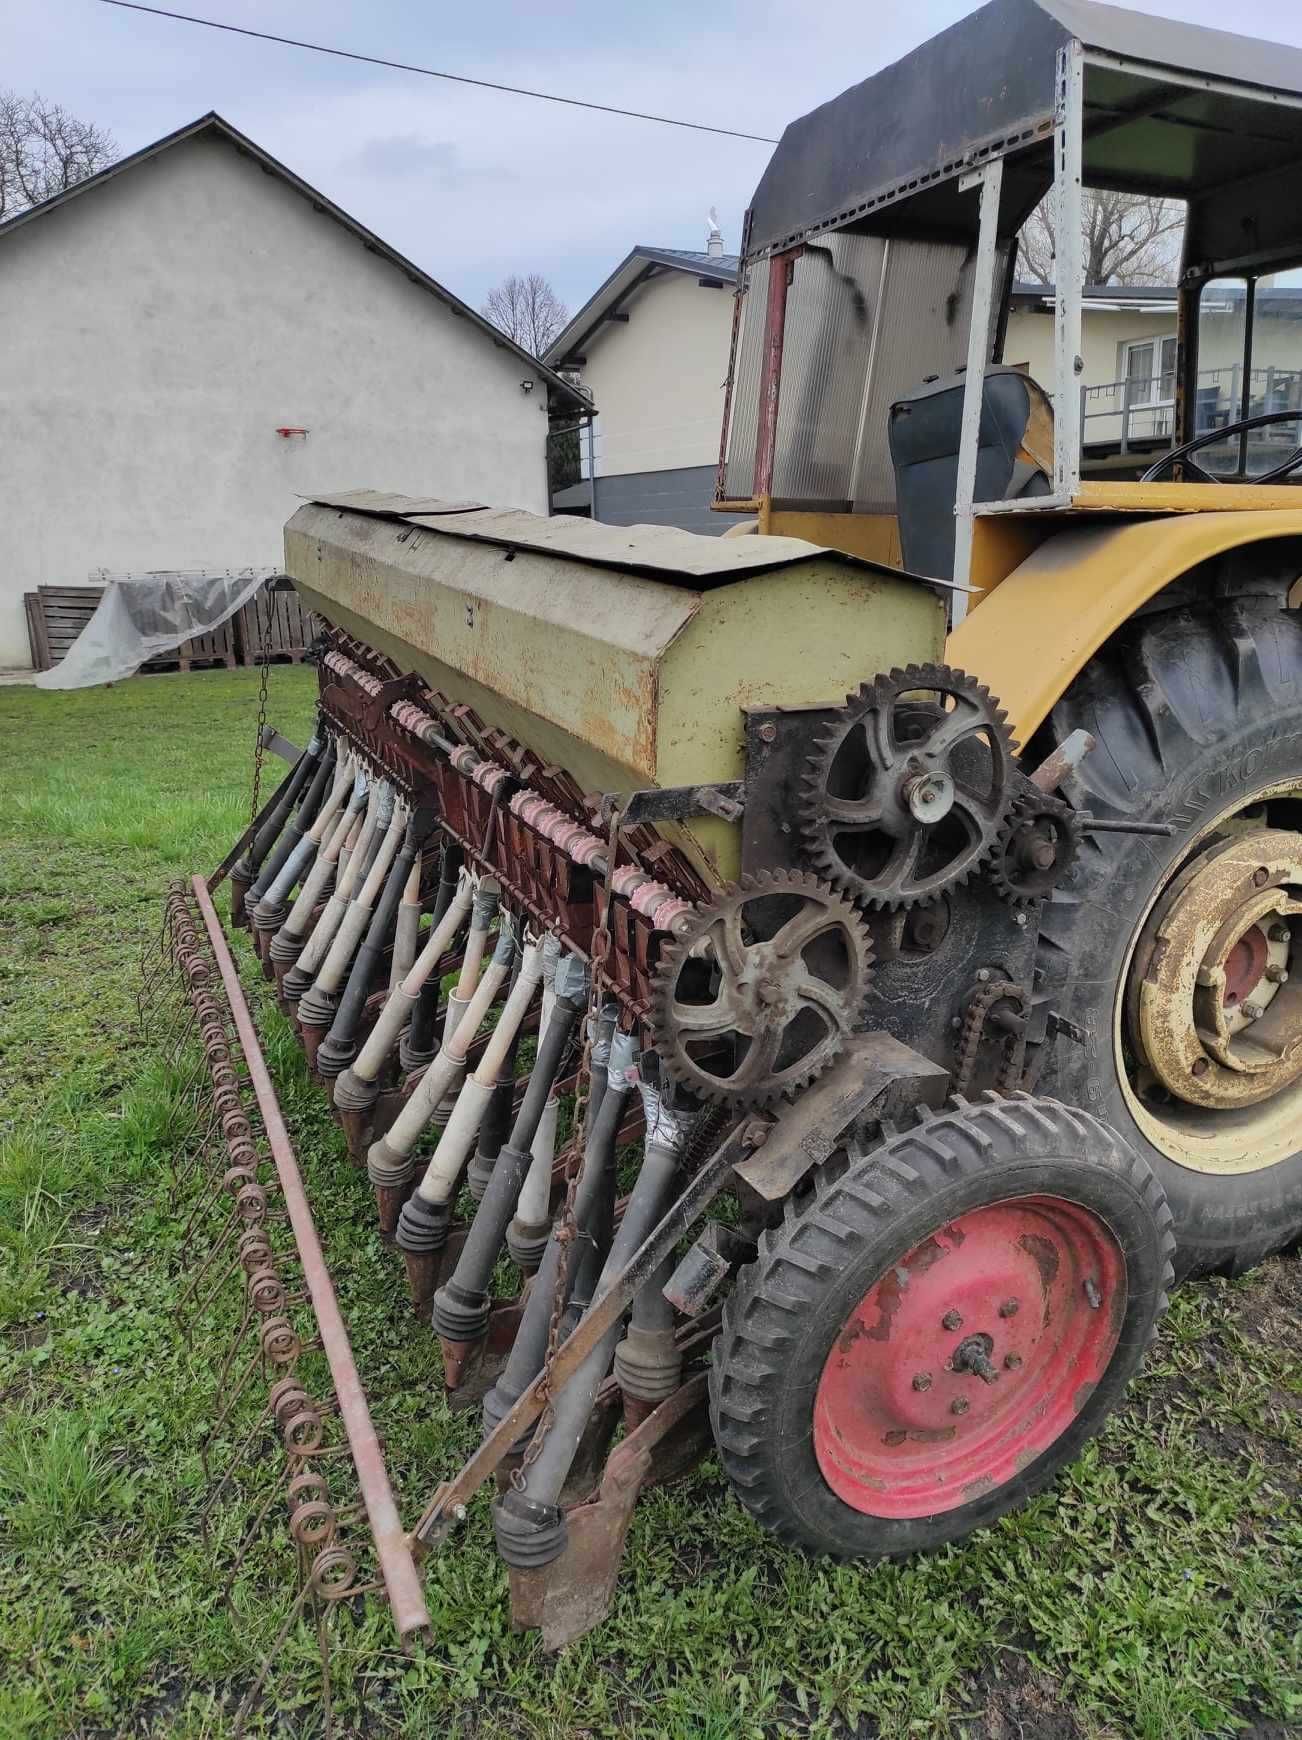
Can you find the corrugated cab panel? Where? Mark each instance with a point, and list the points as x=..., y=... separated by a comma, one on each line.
x=744, y=418
x=832, y=308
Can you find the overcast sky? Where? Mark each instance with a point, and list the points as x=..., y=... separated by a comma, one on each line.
x=471, y=184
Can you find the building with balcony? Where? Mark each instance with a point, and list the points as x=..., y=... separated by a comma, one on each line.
x=1129, y=357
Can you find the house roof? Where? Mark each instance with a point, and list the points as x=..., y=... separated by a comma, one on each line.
x=1114, y=298
x=1112, y=295
x=214, y=123
x=639, y=264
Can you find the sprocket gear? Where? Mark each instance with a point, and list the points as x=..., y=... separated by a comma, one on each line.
x=758, y=995
x=1038, y=847
x=909, y=788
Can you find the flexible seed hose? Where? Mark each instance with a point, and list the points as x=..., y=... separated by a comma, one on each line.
x=351, y=858
x=355, y=920
x=481, y=916
x=446, y=1069
x=406, y=933
x=327, y=859
x=299, y=859
x=477, y=1090
x=402, y=999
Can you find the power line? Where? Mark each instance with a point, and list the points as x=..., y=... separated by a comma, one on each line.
x=430, y=73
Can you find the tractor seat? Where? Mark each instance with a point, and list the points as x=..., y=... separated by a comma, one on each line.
x=1014, y=458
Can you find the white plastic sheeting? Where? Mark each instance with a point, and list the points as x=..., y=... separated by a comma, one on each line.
x=146, y=616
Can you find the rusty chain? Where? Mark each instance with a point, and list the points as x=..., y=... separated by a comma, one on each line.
x=983, y=1001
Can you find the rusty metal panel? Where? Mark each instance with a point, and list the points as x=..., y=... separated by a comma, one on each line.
x=623, y=680
x=744, y=417
x=664, y=553
x=832, y=308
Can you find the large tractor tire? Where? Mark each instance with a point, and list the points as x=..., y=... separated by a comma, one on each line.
x=933, y=1332
x=1172, y=961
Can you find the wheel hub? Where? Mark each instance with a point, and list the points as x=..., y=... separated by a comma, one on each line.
x=1215, y=1016
x=969, y=1357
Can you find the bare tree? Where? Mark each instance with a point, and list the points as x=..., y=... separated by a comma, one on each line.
x=527, y=310
x=1126, y=238
x=44, y=150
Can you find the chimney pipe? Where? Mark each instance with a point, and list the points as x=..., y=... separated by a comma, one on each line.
x=714, y=237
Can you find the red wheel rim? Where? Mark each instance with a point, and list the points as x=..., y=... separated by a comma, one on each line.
x=969, y=1357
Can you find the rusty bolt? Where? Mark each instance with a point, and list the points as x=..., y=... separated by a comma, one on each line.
x=959, y=1405
x=951, y=1320
x=1012, y=1361
x=756, y=1133
x=1277, y=975
x=768, y=733
x=1253, y=1011
x=1010, y=1308
x=1280, y=933
x=922, y=1380
x=1260, y=877
x=1200, y=1066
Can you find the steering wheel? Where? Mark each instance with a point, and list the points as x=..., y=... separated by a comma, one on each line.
x=1209, y=439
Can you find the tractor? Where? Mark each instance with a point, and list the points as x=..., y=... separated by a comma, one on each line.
x=810, y=992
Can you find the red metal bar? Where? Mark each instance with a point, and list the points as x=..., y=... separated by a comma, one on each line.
x=775, y=321
x=401, y=1580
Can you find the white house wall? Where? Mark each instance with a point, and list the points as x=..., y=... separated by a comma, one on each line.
x=658, y=380
x=161, y=327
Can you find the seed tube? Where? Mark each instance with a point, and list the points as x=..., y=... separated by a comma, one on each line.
x=530, y=1345
x=461, y=1306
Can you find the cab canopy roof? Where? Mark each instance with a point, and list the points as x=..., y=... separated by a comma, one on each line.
x=1169, y=109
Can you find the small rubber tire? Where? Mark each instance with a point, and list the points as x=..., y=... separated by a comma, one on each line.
x=790, y=1307
x=1188, y=707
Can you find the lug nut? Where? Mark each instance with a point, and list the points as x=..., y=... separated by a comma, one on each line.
x=1009, y=1308
x=1012, y=1362
x=951, y=1320
x=922, y=1380
x=1277, y=975
x=959, y=1405
x=1253, y=1011
x=1280, y=933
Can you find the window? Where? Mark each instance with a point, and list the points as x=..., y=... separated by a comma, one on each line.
x=1150, y=372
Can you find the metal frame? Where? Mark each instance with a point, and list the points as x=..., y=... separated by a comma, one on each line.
x=1067, y=190
x=397, y=1567
x=989, y=183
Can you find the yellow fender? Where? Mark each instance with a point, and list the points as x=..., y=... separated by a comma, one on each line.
x=1036, y=629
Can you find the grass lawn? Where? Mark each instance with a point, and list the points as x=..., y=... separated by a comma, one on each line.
x=1157, y=1591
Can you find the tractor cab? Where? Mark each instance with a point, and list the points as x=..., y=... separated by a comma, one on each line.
x=876, y=400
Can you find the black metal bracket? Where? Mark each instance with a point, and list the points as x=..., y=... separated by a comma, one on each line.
x=278, y=745
x=675, y=803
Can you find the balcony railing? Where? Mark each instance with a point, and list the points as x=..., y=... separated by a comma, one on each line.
x=1140, y=414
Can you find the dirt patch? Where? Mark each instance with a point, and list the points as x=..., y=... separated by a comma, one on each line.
x=1014, y=1702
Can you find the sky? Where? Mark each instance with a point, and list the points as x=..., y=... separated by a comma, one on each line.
x=471, y=184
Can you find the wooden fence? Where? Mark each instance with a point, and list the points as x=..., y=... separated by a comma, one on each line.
x=56, y=615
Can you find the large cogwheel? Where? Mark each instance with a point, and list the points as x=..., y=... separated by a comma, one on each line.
x=908, y=789
x=757, y=997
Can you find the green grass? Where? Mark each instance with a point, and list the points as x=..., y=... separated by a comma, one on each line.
x=1155, y=1592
